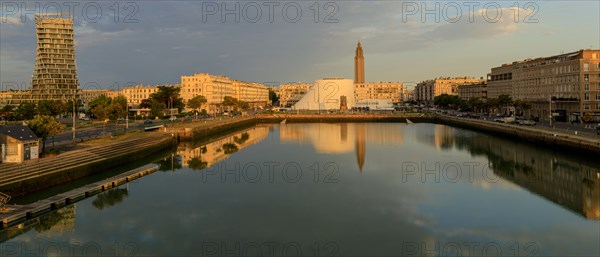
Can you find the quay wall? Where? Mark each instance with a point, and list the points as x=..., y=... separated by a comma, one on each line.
x=562, y=141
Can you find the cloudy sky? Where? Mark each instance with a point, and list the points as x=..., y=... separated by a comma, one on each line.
x=155, y=42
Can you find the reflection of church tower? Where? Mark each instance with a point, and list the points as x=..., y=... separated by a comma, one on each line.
x=359, y=65
x=360, y=146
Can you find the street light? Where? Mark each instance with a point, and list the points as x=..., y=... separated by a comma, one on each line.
x=550, y=111
x=74, y=120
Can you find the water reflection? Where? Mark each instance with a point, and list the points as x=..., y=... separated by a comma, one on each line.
x=56, y=223
x=342, y=138
x=198, y=157
x=377, y=214
x=110, y=198
x=560, y=178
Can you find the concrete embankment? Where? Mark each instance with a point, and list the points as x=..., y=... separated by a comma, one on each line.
x=373, y=117
x=202, y=130
x=558, y=140
x=34, y=175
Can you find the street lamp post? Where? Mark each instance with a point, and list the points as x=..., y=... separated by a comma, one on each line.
x=550, y=111
x=74, y=120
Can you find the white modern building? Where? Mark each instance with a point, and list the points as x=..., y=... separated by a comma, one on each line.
x=327, y=94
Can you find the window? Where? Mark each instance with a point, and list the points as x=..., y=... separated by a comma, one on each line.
x=586, y=67
x=586, y=87
x=586, y=96
x=586, y=77
x=586, y=106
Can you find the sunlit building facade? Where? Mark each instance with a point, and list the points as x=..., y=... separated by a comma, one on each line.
x=216, y=87
x=393, y=91
x=55, y=72
x=566, y=85
x=290, y=94
x=426, y=91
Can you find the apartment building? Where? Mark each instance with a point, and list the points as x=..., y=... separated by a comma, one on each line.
x=473, y=90
x=216, y=87
x=289, y=94
x=55, y=72
x=426, y=91
x=565, y=86
x=392, y=91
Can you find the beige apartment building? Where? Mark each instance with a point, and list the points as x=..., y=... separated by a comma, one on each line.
x=88, y=95
x=255, y=94
x=473, y=90
x=290, y=94
x=216, y=87
x=137, y=93
x=567, y=84
x=392, y=91
x=426, y=91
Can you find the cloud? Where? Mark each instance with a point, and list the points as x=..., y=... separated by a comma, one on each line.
x=10, y=20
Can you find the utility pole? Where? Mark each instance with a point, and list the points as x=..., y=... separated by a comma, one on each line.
x=550, y=111
x=127, y=118
x=74, y=120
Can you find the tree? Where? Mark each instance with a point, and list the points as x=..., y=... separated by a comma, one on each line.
x=146, y=104
x=69, y=106
x=44, y=126
x=51, y=107
x=7, y=112
x=492, y=103
x=229, y=101
x=521, y=106
x=448, y=101
x=476, y=104
x=273, y=97
x=196, y=102
x=169, y=96
x=117, y=109
x=25, y=111
x=243, y=105
x=157, y=109
x=98, y=107
x=504, y=100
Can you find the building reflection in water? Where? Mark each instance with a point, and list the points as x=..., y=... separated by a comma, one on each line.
x=571, y=182
x=343, y=138
x=202, y=156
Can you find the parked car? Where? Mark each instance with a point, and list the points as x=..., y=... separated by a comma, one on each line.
x=172, y=118
x=85, y=118
x=519, y=121
x=499, y=120
x=528, y=123
x=461, y=115
x=509, y=120
x=148, y=121
x=598, y=130
x=474, y=115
